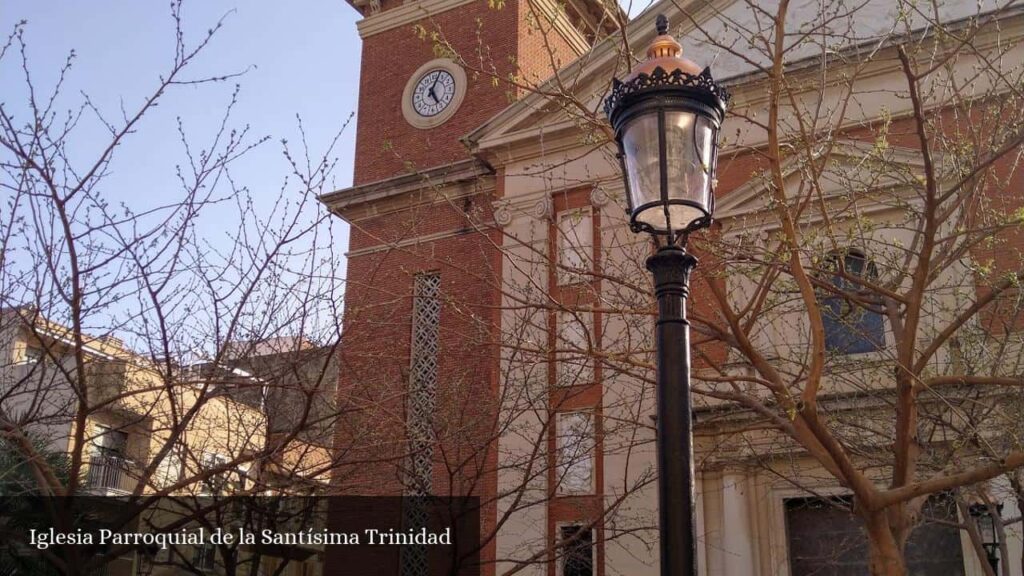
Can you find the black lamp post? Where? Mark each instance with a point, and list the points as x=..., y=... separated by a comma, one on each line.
x=666, y=115
x=987, y=530
x=144, y=562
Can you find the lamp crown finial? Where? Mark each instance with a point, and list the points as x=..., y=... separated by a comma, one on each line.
x=664, y=45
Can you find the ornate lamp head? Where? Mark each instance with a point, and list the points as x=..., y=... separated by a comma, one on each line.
x=666, y=115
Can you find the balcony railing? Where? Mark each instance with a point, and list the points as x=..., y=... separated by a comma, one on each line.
x=112, y=474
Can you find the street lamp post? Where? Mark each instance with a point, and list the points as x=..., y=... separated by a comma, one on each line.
x=666, y=115
x=988, y=533
x=144, y=561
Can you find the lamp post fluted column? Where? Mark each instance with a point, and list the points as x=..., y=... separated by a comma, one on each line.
x=671, y=267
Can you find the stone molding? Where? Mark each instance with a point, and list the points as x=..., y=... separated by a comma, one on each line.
x=385, y=20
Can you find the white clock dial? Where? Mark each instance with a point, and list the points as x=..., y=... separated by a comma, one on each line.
x=434, y=92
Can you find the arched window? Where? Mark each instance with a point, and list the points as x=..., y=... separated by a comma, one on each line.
x=850, y=327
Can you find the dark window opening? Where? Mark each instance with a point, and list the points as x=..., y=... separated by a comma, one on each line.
x=577, y=553
x=826, y=539
x=850, y=328
x=217, y=482
x=34, y=355
x=110, y=442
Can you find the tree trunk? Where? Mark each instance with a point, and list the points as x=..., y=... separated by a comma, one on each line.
x=885, y=551
x=1017, y=484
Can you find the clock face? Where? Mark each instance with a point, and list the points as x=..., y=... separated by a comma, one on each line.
x=434, y=92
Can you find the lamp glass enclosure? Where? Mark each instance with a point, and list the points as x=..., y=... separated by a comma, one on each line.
x=669, y=161
x=986, y=524
x=666, y=116
x=642, y=161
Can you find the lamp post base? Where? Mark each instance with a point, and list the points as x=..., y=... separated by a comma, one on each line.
x=671, y=267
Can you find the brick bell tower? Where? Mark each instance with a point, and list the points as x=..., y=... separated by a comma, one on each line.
x=419, y=370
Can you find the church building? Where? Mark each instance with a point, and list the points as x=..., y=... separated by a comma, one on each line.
x=498, y=323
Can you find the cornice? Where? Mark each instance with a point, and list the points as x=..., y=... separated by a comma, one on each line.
x=744, y=211
x=749, y=92
x=405, y=14
x=345, y=203
x=535, y=142
x=409, y=242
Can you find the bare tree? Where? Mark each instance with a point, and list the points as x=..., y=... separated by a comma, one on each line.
x=855, y=219
x=152, y=359
x=857, y=301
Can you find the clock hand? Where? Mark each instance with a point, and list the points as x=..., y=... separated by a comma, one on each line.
x=432, y=86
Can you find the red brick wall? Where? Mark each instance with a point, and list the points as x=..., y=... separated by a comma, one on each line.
x=733, y=172
x=376, y=348
x=378, y=301
x=387, y=144
x=542, y=50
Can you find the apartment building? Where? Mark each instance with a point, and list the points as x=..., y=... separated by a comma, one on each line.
x=120, y=427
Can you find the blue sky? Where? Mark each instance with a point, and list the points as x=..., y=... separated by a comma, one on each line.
x=299, y=59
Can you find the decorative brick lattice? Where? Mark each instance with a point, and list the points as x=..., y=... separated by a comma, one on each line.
x=421, y=401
